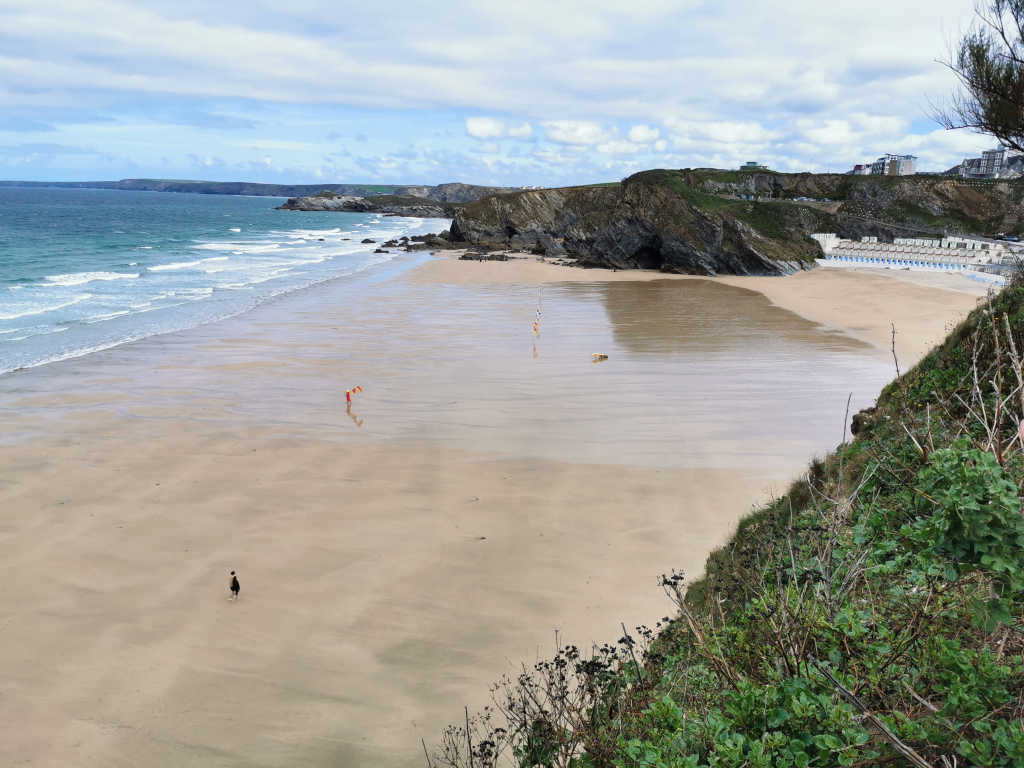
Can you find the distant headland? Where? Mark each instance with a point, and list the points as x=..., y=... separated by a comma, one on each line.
x=453, y=192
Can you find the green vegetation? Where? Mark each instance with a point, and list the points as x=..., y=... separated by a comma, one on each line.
x=871, y=616
x=777, y=220
x=953, y=221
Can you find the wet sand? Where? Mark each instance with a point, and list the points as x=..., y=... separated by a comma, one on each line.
x=487, y=489
x=862, y=303
x=383, y=587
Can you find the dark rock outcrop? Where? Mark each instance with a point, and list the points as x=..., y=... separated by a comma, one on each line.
x=453, y=192
x=862, y=419
x=649, y=221
x=428, y=242
x=439, y=202
x=705, y=221
x=884, y=206
x=391, y=205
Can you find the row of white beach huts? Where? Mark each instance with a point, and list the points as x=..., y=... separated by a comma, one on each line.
x=962, y=255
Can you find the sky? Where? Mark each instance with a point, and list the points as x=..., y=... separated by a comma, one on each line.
x=517, y=93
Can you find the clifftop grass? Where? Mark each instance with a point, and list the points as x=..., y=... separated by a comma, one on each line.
x=871, y=616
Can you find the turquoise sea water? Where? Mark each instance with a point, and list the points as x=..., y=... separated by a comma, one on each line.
x=82, y=270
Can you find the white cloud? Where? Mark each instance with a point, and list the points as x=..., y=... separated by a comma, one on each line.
x=619, y=147
x=713, y=82
x=484, y=127
x=578, y=132
x=727, y=131
x=522, y=131
x=491, y=128
x=643, y=134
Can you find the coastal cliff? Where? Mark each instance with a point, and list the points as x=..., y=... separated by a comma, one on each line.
x=392, y=205
x=440, y=201
x=711, y=222
x=652, y=220
x=453, y=192
x=885, y=206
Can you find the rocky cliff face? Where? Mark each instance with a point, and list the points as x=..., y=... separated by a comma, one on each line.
x=452, y=193
x=652, y=221
x=886, y=206
x=708, y=222
x=429, y=202
x=392, y=205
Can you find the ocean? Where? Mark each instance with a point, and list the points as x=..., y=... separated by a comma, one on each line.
x=83, y=270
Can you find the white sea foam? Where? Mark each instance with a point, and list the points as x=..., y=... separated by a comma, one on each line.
x=255, y=268
x=46, y=332
x=44, y=310
x=81, y=278
x=107, y=316
x=176, y=265
x=81, y=352
x=236, y=246
x=219, y=246
x=309, y=234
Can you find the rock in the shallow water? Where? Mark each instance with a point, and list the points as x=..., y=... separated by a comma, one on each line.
x=367, y=240
x=380, y=250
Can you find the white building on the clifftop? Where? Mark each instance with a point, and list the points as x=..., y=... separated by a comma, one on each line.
x=998, y=163
x=894, y=165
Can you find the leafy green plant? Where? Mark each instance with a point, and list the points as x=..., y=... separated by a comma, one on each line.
x=970, y=514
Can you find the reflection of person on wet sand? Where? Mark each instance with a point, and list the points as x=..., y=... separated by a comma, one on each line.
x=355, y=419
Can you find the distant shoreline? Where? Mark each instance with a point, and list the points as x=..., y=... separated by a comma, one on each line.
x=241, y=188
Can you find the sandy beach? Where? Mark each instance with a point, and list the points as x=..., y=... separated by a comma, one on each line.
x=862, y=303
x=487, y=489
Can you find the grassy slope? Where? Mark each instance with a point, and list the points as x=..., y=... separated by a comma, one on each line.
x=894, y=569
x=670, y=204
x=783, y=226
x=934, y=204
x=877, y=568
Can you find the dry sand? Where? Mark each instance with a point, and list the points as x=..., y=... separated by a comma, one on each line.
x=388, y=572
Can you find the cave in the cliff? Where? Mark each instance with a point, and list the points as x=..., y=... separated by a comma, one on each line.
x=649, y=257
